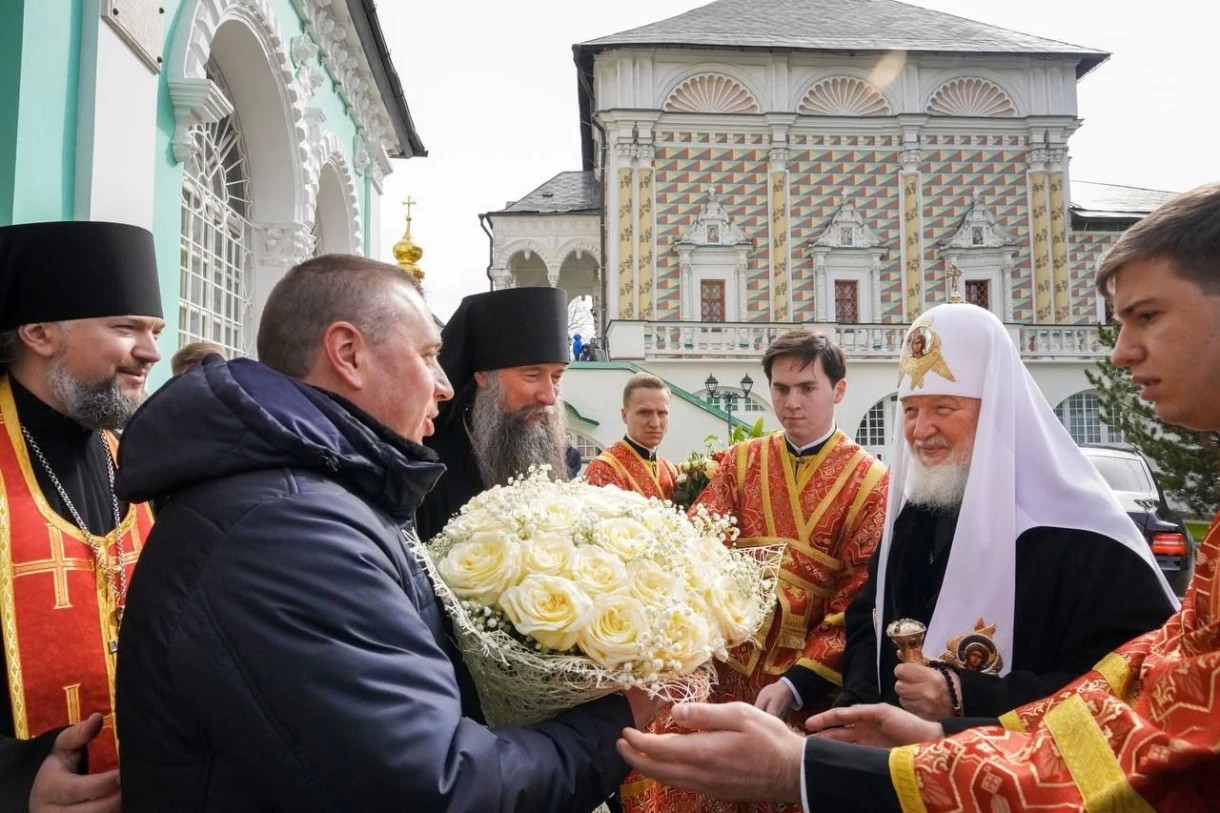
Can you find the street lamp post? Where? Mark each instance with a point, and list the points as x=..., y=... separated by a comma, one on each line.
x=730, y=398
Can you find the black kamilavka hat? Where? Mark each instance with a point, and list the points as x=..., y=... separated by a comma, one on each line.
x=514, y=327
x=52, y=272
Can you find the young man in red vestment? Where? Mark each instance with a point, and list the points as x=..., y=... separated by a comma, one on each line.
x=633, y=463
x=80, y=313
x=814, y=491
x=1141, y=731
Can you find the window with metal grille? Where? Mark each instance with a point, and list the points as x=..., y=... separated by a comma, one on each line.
x=214, y=300
x=587, y=446
x=978, y=292
x=711, y=300
x=1081, y=414
x=872, y=428
x=847, y=301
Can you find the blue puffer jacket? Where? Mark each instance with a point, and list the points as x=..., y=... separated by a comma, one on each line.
x=282, y=649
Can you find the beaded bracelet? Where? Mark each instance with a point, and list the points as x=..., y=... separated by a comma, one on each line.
x=954, y=702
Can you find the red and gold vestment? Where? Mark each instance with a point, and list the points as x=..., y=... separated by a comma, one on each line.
x=57, y=616
x=1140, y=732
x=622, y=466
x=827, y=510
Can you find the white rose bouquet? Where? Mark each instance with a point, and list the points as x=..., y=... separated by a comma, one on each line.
x=561, y=593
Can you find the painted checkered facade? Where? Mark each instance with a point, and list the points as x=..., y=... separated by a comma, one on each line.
x=689, y=168
x=1086, y=251
x=954, y=168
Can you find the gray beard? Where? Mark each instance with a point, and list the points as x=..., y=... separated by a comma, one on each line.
x=97, y=405
x=938, y=487
x=506, y=445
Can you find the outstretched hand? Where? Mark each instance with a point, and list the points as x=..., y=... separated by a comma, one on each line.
x=58, y=788
x=734, y=751
x=879, y=724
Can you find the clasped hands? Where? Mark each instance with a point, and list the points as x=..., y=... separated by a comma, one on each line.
x=736, y=751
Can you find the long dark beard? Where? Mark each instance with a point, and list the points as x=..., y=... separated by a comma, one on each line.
x=96, y=405
x=506, y=445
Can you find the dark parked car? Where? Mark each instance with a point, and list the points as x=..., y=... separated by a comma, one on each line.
x=1136, y=487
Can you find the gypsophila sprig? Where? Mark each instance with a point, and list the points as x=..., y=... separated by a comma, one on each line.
x=564, y=592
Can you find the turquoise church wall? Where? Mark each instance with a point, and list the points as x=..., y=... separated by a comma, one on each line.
x=39, y=75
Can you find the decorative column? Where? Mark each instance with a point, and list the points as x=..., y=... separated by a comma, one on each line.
x=1039, y=216
x=624, y=229
x=781, y=267
x=911, y=203
x=645, y=154
x=1058, y=228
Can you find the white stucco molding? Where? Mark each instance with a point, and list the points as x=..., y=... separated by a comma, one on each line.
x=281, y=245
x=331, y=27
x=197, y=24
x=579, y=247
x=196, y=101
x=528, y=248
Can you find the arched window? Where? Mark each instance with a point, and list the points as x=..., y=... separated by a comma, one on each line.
x=876, y=428
x=587, y=446
x=214, y=299
x=1081, y=414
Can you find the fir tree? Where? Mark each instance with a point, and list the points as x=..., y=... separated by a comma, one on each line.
x=1187, y=462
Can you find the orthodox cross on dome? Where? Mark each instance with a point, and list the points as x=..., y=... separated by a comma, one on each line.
x=406, y=253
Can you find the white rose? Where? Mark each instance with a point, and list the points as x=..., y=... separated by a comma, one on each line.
x=735, y=613
x=556, y=514
x=614, y=502
x=661, y=521
x=599, y=571
x=624, y=537
x=652, y=584
x=687, y=643
x=482, y=567
x=548, y=553
x=550, y=609
x=612, y=636
x=700, y=574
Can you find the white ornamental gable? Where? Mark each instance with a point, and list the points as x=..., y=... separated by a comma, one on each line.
x=714, y=228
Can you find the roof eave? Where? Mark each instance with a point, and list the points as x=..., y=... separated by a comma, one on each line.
x=584, y=53
x=368, y=29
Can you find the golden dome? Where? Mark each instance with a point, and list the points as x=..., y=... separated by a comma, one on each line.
x=406, y=252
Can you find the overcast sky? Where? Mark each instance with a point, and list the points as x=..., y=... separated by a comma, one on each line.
x=492, y=90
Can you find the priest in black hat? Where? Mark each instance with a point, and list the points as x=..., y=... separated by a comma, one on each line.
x=504, y=353
x=80, y=313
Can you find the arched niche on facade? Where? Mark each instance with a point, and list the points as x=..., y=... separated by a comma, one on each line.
x=335, y=217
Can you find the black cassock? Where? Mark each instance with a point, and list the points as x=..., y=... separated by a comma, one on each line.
x=78, y=459
x=1079, y=595
x=460, y=483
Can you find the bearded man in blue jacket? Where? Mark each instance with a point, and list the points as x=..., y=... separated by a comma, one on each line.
x=282, y=649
